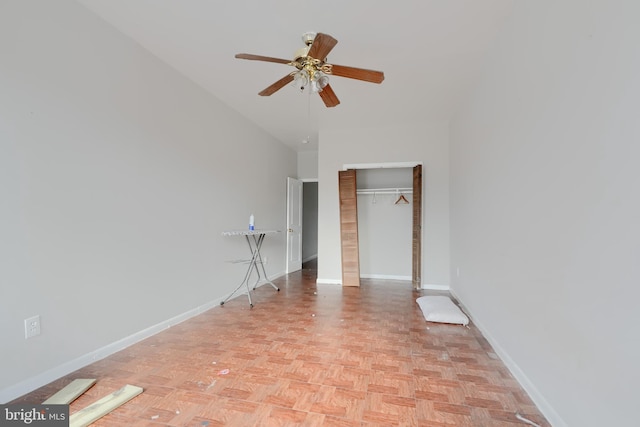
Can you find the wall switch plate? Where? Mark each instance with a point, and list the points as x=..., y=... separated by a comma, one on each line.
x=31, y=327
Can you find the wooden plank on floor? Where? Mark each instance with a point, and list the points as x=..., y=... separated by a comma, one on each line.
x=102, y=407
x=70, y=392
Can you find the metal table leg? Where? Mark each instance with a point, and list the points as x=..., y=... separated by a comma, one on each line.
x=256, y=259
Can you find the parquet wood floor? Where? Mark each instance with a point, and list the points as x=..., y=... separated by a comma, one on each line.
x=310, y=355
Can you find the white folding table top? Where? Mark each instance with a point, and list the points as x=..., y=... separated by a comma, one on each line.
x=248, y=232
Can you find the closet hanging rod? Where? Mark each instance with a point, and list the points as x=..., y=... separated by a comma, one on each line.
x=384, y=190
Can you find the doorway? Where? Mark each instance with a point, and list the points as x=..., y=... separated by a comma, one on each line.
x=302, y=224
x=309, y=223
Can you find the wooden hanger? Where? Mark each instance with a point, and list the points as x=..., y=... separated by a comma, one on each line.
x=402, y=200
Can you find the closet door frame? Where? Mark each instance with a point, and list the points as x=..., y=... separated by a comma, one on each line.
x=349, y=240
x=351, y=262
x=416, y=229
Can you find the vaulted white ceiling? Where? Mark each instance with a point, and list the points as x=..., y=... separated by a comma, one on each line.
x=429, y=50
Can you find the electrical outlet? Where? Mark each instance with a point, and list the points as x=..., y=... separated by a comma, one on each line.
x=31, y=327
x=265, y=260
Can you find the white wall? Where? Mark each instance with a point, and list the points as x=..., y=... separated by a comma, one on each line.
x=117, y=176
x=426, y=143
x=383, y=224
x=545, y=210
x=385, y=237
x=308, y=165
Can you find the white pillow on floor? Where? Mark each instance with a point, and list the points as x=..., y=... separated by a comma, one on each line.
x=441, y=309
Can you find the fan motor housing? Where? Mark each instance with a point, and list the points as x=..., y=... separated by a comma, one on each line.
x=301, y=53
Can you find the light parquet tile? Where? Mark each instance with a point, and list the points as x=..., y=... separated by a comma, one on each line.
x=310, y=356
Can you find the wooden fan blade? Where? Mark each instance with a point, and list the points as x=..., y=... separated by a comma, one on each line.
x=321, y=46
x=357, y=73
x=329, y=96
x=262, y=58
x=277, y=85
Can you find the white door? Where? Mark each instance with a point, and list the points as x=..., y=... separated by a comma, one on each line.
x=294, y=225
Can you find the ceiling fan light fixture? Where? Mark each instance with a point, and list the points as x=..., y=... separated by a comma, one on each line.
x=301, y=79
x=323, y=80
x=312, y=78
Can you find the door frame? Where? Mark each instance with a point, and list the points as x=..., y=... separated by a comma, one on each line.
x=417, y=234
x=349, y=240
x=291, y=267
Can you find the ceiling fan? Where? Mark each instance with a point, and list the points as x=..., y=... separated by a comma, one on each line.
x=313, y=70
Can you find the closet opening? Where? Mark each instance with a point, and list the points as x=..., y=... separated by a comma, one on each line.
x=381, y=223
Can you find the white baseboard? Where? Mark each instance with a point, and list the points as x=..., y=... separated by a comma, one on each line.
x=434, y=287
x=320, y=281
x=13, y=392
x=385, y=277
x=547, y=410
x=309, y=258
x=272, y=278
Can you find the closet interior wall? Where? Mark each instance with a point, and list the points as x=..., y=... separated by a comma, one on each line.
x=384, y=226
